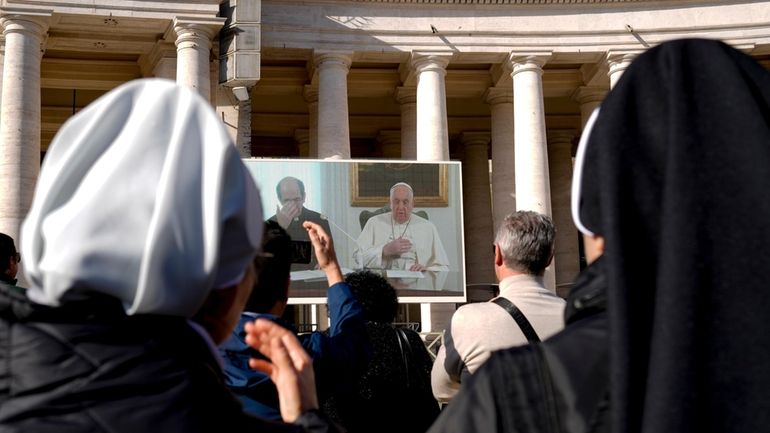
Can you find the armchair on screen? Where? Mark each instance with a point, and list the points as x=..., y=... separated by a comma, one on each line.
x=364, y=216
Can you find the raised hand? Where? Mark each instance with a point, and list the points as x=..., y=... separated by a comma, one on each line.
x=286, y=213
x=290, y=367
x=324, y=251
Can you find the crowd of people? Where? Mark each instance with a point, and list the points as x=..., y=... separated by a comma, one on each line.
x=156, y=290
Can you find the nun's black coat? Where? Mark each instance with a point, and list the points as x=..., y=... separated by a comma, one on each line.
x=676, y=174
x=88, y=367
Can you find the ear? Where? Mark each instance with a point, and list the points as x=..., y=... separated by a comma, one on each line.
x=498, y=256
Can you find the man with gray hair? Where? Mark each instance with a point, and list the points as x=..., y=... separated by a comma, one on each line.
x=524, y=311
x=399, y=239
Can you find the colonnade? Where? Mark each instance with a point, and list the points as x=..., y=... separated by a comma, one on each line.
x=20, y=109
x=531, y=167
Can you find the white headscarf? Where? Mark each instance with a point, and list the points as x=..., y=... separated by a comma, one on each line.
x=142, y=196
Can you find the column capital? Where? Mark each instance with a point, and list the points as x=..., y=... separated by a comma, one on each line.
x=389, y=137
x=556, y=137
x=499, y=95
x=196, y=30
x=160, y=51
x=475, y=138
x=34, y=22
x=302, y=136
x=338, y=59
x=406, y=95
x=586, y=94
x=310, y=93
x=618, y=60
x=528, y=61
x=422, y=62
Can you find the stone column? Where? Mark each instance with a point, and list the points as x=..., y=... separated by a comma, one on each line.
x=2, y=60
x=432, y=144
x=619, y=62
x=407, y=100
x=311, y=97
x=243, y=139
x=24, y=32
x=160, y=62
x=333, y=126
x=532, y=184
x=477, y=208
x=390, y=143
x=302, y=137
x=322, y=316
x=193, y=50
x=589, y=99
x=432, y=126
x=567, y=257
x=503, y=161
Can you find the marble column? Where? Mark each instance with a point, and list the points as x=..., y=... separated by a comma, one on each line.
x=432, y=144
x=333, y=123
x=532, y=183
x=160, y=62
x=407, y=100
x=302, y=137
x=500, y=101
x=311, y=97
x=589, y=98
x=193, y=48
x=243, y=139
x=567, y=255
x=432, y=125
x=2, y=59
x=618, y=62
x=477, y=208
x=390, y=143
x=24, y=34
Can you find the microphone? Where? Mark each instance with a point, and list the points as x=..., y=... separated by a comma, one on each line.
x=360, y=251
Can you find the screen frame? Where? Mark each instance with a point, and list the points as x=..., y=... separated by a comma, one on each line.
x=446, y=208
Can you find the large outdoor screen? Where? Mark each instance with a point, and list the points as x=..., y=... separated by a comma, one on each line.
x=418, y=246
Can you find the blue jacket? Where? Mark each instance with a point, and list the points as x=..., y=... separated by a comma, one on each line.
x=336, y=356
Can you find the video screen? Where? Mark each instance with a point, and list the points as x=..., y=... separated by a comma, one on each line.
x=412, y=235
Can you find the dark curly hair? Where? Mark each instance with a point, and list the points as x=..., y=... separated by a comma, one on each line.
x=377, y=297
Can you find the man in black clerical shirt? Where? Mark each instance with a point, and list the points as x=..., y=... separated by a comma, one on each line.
x=292, y=213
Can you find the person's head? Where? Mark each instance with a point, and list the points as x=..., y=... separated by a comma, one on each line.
x=401, y=202
x=9, y=257
x=672, y=173
x=143, y=197
x=376, y=296
x=273, y=267
x=524, y=244
x=290, y=189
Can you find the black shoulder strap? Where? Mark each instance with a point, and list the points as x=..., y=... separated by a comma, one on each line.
x=518, y=316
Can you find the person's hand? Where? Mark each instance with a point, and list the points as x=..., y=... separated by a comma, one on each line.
x=397, y=247
x=324, y=251
x=291, y=368
x=417, y=267
x=284, y=215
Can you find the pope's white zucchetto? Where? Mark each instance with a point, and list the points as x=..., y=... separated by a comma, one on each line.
x=142, y=196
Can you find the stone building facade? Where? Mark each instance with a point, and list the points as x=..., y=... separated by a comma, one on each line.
x=511, y=81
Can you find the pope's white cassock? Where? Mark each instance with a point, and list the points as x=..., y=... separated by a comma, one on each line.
x=426, y=250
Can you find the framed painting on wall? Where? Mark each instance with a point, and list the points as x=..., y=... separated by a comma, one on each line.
x=371, y=182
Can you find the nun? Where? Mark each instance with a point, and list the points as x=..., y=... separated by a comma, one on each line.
x=665, y=327
x=138, y=249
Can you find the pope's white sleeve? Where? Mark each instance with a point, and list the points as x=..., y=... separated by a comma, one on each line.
x=367, y=254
